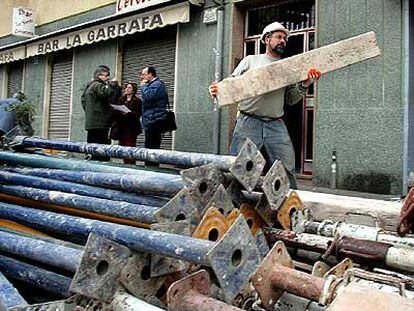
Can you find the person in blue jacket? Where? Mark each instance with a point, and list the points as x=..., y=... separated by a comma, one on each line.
x=154, y=108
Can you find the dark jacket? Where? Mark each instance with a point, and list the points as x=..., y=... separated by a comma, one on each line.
x=129, y=124
x=154, y=103
x=95, y=103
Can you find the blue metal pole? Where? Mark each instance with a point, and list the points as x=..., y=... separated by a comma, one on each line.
x=233, y=258
x=246, y=167
x=146, y=181
x=35, y=276
x=56, y=255
x=9, y=296
x=107, y=180
x=172, y=245
x=75, y=188
x=123, y=210
x=182, y=159
x=42, y=238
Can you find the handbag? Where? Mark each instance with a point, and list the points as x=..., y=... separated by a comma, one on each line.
x=169, y=123
x=115, y=131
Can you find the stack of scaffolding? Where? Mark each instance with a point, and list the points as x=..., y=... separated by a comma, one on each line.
x=214, y=235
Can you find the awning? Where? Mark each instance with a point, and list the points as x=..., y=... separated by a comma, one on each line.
x=159, y=18
x=12, y=55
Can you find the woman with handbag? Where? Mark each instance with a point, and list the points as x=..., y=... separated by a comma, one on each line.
x=127, y=126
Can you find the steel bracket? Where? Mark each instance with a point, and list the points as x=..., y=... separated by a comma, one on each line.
x=267, y=292
x=98, y=273
x=234, y=258
x=162, y=265
x=276, y=185
x=198, y=282
x=183, y=206
x=248, y=166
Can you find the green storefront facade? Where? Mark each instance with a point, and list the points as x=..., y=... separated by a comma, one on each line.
x=363, y=113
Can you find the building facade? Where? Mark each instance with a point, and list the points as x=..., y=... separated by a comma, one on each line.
x=363, y=113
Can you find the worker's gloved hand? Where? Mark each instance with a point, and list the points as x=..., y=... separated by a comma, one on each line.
x=213, y=89
x=406, y=222
x=313, y=75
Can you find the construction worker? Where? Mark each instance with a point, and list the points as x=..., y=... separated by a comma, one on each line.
x=260, y=118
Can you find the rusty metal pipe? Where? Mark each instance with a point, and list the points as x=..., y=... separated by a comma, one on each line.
x=311, y=242
x=276, y=275
x=296, y=282
x=194, y=301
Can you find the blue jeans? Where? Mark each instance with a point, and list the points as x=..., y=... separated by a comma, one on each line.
x=272, y=136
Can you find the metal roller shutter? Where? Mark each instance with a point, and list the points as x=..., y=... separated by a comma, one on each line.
x=156, y=48
x=60, y=97
x=15, y=79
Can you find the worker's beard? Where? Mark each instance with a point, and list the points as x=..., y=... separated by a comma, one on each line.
x=279, y=49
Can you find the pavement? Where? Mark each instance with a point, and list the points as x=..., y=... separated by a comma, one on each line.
x=306, y=184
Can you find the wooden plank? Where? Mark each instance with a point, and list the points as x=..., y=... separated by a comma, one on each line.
x=294, y=69
x=361, y=211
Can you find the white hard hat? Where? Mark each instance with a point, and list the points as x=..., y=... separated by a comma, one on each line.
x=272, y=28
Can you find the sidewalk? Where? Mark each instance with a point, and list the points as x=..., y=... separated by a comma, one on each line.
x=307, y=185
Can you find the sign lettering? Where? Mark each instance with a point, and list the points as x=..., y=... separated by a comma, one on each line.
x=124, y=6
x=23, y=22
x=126, y=26
x=12, y=55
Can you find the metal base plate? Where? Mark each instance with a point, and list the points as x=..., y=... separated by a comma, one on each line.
x=234, y=258
x=262, y=243
x=292, y=204
x=202, y=181
x=222, y=201
x=162, y=265
x=268, y=294
x=98, y=273
x=264, y=210
x=198, y=282
x=276, y=185
x=253, y=219
x=213, y=226
x=183, y=206
x=248, y=166
x=136, y=277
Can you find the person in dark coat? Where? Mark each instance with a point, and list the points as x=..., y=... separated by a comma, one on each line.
x=154, y=108
x=98, y=112
x=129, y=123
